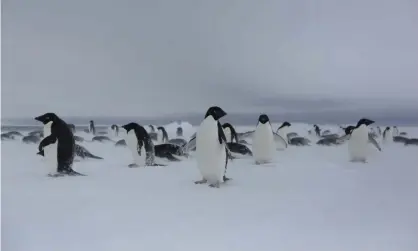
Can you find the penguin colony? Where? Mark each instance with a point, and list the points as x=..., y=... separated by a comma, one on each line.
x=214, y=144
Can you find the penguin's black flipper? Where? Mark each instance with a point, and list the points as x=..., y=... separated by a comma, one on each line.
x=41, y=152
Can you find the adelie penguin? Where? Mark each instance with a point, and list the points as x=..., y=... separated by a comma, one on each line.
x=62, y=143
x=282, y=131
x=358, y=141
x=164, y=135
x=140, y=144
x=211, y=150
x=264, y=145
x=230, y=133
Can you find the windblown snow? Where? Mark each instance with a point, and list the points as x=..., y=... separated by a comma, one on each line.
x=310, y=199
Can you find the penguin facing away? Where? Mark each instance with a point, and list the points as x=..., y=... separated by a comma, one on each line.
x=211, y=150
x=359, y=139
x=61, y=135
x=140, y=144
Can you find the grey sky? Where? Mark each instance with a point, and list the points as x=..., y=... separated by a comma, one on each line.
x=156, y=57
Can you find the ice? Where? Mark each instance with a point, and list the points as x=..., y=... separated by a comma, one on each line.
x=310, y=199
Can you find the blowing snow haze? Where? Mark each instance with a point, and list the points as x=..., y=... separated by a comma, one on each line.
x=155, y=57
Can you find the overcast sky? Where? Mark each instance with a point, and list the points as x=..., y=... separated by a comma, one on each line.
x=156, y=57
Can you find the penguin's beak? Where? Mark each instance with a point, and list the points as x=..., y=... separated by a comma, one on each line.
x=38, y=118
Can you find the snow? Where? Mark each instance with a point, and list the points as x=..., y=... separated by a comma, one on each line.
x=311, y=198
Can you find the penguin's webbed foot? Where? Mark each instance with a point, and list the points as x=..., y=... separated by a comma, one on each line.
x=133, y=165
x=203, y=181
x=216, y=185
x=226, y=179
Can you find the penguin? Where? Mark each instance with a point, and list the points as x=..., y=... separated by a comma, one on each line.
x=230, y=133
x=238, y=150
x=31, y=139
x=395, y=131
x=115, y=130
x=80, y=151
x=92, y=128
x=299, y=141
x=292, y=135
x=62, y=136
x=151, y=127
x=400, y=139
x=78, y=138
x=282, y=130
x=101, y=139
x=358, y=141
x=178, y=141
x=72, y=127
x=168, y=151
x=36, y=133
x=121, y=142
x=140, y=144
x=317, y=130
x=7, y=136
x=179, y=132
x=164, y=138
x=412, y=141
x=211, y=149
x=387, y=134
x=263, y=141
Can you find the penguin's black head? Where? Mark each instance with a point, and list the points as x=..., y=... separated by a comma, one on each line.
x=47, y=117
x=365, y=122
x=130, y=126
x=285, y=124
x=216, y=112
x=152, y=128
x=349, y=129
x=161, y=128
x=263, y=119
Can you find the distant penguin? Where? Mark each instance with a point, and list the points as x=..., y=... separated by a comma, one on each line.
x=101, y=139
x=168, y=151
x=400, y=139
x=263, y=141
x=62, y=136
x=282, y=130
x=72, y=127
x=379, y=131
x=211, y=150
x=115, y=130
x=230, y=133
x=179, y=132
x=387, y=135
x=36, y=133
x=92, y=128
x=299, y=141
x=358, y=141
x=395, y=131
x=15, y=133
x=164, y=137
x=121, y=142
x=140, y=144
x=7, y=136
x=317, y=130
x=178, y=141
x=238, y=150
x=412, y=141
x=403, y=134
x=151, y=127
x=31, y=139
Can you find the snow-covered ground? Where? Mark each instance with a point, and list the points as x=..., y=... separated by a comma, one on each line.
x=311, y=199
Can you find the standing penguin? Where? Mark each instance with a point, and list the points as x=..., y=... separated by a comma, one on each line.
x=282, y=130
x=140, y=144
x=115, y=129
x=387, y=134
x=164, y=134
x=211, y=150
x=92, y=128
x=395, y=131
x=230, y=133
x=61, y=135
x=179, y=132
x=263, y=141
x=359, y=139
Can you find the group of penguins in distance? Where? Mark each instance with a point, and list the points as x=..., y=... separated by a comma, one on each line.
x=214, y=144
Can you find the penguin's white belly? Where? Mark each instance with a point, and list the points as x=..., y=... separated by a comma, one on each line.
x=263, y=144
x=388, y=136
x=228, y=135
x=282, y=133
x=132, y=143
x=50, y=151
x=358, y=144
x=210, y=155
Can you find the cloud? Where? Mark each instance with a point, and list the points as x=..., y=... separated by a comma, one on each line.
x=163, y=57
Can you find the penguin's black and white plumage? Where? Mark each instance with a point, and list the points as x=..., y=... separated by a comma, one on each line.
x=164, y=135
x=230, y=133
x=92, y=128
x=387, y=134
x=264, y=145
x=395, y=131
x=317, y=130
x=115, y=130
x=61, y=138
x=179, y=132
x=140, y=144
x=282, y=130
x=211, y=149
x=359, y=139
